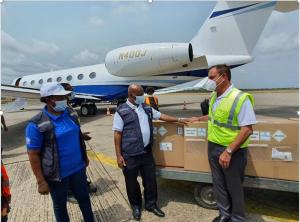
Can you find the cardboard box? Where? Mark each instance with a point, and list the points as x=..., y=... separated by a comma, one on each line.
x=168, y=144
x=275, y=131
x=275, y=156
x=278, y=162
x=195, y=147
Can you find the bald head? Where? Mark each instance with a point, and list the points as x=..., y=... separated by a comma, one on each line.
x=133, y=91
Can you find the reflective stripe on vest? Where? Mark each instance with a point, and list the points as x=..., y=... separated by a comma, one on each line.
x=223, y=123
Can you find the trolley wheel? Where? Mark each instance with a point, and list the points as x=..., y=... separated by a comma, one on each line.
x=204, y=196
x=84, y=110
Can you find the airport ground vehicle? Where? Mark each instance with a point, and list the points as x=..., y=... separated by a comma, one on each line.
x=203, y=192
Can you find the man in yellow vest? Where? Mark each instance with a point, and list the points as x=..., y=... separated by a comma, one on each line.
x=150, y=99
x=230, y=121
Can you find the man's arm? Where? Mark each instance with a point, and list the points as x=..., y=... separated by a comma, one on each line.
x=201, y=118
x=167, y=118
x=245, y=132
x=118, y=139
x=35, y=162
x=225, y=157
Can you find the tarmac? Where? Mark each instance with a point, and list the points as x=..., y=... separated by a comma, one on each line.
x=110, y=203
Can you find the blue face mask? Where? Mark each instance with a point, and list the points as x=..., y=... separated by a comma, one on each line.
x=60, y=106
x=139, y=99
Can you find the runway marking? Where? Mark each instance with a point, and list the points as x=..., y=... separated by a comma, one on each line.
x=271, y=212
x=103, y=158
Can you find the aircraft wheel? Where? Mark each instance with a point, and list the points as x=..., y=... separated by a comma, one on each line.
x=92, y=109
x=84, y=110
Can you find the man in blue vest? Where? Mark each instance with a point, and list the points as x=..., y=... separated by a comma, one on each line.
x=133, y=135
x=230, y=121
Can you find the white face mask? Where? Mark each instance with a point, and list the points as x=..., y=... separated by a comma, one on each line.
x=60, y=106
x=139, y=99
x=211, y=85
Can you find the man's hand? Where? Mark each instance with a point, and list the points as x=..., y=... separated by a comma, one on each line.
x=121, y=162
x=43, y=187
x=194, y=119
x=5, y=128
x=224, y=159
x=4, y=212
x=86, y=136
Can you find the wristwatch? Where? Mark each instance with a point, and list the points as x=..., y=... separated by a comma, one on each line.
x=179, y=119
x=229, y=150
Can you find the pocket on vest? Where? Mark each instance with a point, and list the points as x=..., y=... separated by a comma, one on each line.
x=130, y=146
x=47, y=166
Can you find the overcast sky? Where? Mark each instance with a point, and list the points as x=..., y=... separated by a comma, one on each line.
x=44, y=36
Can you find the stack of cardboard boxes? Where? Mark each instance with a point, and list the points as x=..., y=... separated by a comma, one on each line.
x=273, y=150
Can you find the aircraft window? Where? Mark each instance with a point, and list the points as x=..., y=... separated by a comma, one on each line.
x=80, y=76
x=25, y=83
x=58, y=79
x=69, y=77
x=32, y=82
x=49, y=80
x=92, y=75
x=41, y=81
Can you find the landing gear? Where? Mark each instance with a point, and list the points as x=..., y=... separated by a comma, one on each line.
x=88, y=109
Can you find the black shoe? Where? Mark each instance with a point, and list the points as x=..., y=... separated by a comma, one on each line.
x=136, y=213
x=92, y=188
x=221, y=219
x=158, y=212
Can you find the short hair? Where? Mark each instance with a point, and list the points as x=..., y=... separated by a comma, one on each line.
x=43, y=99
x=66, y=85
x=150, y=90
x=222, y=69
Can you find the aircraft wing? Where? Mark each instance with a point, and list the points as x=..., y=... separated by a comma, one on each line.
x=31, y=93
x=17, y=91
x=192, y=85
x=88, y=96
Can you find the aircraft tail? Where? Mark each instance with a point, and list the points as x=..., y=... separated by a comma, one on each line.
x=234, y=27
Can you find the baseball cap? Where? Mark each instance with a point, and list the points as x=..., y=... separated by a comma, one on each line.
x=53, y=89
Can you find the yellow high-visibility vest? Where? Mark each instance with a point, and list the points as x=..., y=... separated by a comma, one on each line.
x=223, y=125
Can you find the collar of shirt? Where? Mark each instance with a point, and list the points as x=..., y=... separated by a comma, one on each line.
x=132, y=106
x=54, y=117
x=226, y=92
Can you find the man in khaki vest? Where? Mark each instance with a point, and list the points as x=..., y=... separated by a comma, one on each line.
x=230, y=121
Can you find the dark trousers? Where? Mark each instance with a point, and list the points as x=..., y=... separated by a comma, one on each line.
x=4, y=219
x=228, y=183
x=59, y=190
x=145, y=165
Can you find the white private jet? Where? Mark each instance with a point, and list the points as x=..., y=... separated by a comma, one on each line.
x=228, y=36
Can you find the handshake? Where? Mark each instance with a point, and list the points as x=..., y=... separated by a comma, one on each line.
x=192, y=119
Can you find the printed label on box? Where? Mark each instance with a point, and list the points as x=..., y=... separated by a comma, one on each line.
x=265, y=136
x=279, y=136
x=190, y=131
x=285, y=156
x=154, y=130
x=165, y=146
x=162, y=131
x=255, y=136
x=202, y=132
x=179, y=131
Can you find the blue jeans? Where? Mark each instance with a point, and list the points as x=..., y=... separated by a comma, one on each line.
x=78, y=185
